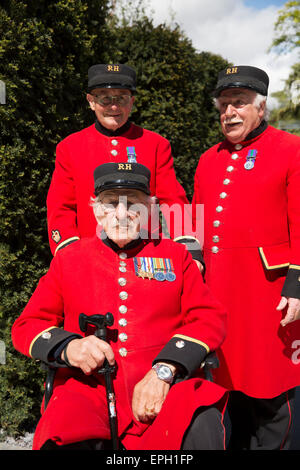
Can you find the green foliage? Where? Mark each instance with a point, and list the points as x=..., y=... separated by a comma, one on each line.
x=287, y=115
x=45, y=50
x=287, y=28
x=287, y=38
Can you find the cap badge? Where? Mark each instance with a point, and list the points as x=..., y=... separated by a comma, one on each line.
x=113, y=68
x=124, y=166
x=250, y=159
x=231, y=70
x=131, y=155
x=56, y=236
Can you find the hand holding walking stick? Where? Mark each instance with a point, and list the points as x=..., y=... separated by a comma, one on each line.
x=101, y=322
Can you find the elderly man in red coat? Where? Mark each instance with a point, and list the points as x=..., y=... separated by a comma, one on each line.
x=165, y=323
x=112, y=138
x=249, y=185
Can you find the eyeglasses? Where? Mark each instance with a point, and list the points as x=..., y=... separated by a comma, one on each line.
x=107, y=100
x=133, y=207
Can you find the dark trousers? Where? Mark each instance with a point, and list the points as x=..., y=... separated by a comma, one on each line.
x=206, y=432
x=91, y=444
x=260, y=424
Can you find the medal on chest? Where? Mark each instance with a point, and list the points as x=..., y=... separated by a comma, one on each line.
x=249, y=165
x=131, y=155
x=160, y=269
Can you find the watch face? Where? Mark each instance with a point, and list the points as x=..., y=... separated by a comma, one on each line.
x=164, y=372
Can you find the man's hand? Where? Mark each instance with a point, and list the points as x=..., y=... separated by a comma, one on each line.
x=148, y=397
x=200, y=266
x=89, y=353
x=293, y=309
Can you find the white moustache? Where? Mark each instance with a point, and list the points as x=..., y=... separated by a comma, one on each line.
x=233, y=121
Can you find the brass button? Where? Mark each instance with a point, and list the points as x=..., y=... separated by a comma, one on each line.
x=123, y=337
x=46, y=335
x=123, y=322
x=123, y=352
x=123, y=295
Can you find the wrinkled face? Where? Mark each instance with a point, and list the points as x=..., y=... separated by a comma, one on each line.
x=238, y=113
x=122, y=213
x=114, y=114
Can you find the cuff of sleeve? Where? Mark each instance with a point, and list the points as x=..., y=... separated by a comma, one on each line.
x=43, y=345
x=291, y=287
x=65, y=243
x=188, y=352
x=56, y=352
x=193, y=246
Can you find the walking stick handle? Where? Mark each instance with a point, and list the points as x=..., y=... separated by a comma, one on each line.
x=101, y=322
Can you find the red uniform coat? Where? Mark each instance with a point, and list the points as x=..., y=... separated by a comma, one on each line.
x=70, y=215
x=252, y=242
x=177, y=320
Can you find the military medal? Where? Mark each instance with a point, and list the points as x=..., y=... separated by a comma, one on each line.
x=160, y=269
x=170, y=275
x=250, y=159
x=131, y=156
x=143, y=267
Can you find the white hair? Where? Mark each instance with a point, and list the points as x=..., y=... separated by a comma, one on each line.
x=258, y=100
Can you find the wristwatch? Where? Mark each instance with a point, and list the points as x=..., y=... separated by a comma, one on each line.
x=164, y=373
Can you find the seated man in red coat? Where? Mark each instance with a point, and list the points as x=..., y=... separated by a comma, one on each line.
x=165, y=323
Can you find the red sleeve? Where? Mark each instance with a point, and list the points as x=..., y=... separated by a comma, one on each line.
x=43, y=313
x=173, y=202
x=292, y=283
x=203, y=322
x=61, y=202
x=204, y=316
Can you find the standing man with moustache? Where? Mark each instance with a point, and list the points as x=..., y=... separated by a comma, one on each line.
x=249, y=185
x=111, y=138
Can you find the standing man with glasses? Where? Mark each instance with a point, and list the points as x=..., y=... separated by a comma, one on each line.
x=111, y=138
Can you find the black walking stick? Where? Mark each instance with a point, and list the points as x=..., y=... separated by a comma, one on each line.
x=101, y=322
